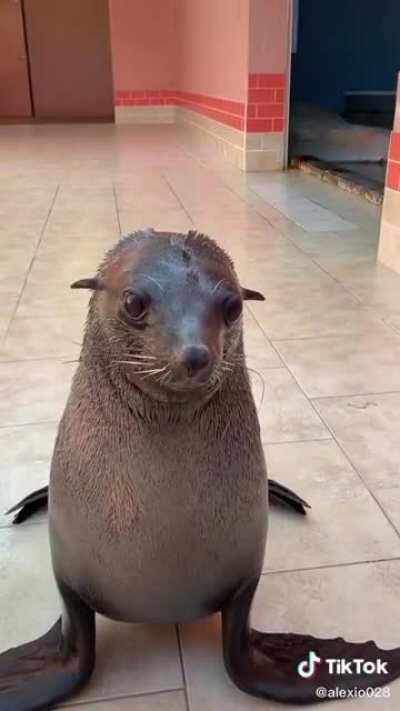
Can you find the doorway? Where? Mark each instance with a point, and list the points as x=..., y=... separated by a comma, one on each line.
x=62, y=51
x=345, y=60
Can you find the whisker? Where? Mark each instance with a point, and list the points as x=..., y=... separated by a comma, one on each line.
x=218, y=284
x=146, y=276
x=151, y=372
x=144, y=357
x=226, y=369
x=263, y=387
x=139, y=356
x=130, y=362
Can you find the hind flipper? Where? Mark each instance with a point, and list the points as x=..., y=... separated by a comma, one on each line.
x=277, y=493
x=38, y=674
x=266, y=665
x=281, y=655
x=30, y=504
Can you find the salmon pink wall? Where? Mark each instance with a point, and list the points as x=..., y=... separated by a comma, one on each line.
x=226, y=59
x=269, y=22
x=143, y=44
x=205, y=47
x=213, y=47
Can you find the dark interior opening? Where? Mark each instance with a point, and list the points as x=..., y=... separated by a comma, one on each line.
x=345, y=60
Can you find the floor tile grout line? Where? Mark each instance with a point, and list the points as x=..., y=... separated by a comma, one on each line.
x=357, y=300
x=277, y=228
x=41, y=234
x=347, y=395
x=177, y=197
x=182, y=663
x=325, y=337
x=118, y=697
x=346, y=456
x=285, y=236
x=117, y=207
x=268, y=339
x=330, y=566
x=29, y=424
x=56, y=359
x=277, y=442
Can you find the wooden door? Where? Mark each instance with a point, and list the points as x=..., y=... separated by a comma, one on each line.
x=69, y=55
x=15, y=98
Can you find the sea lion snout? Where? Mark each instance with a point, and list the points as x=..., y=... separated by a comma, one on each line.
x=195, y=359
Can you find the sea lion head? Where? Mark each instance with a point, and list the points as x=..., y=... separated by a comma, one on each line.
x=169, y=306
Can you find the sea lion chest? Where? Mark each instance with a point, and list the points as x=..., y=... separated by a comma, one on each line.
x=159, y=522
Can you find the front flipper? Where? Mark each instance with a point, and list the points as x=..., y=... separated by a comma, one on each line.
x=277, y=493
x=38, y=674
x=267, y=665
x=30, y=504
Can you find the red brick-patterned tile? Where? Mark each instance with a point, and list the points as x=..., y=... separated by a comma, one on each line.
x=259, y=125
x=393, y=175
x=257, y=96
x=394, y=152
x=264, y=113
x=270, y=110
x=275, y=81
x=278, y=125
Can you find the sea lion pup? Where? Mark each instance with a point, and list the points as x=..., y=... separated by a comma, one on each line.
x=157, y=506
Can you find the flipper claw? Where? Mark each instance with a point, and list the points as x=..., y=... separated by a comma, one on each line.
x=278, y=493
x=30, y=505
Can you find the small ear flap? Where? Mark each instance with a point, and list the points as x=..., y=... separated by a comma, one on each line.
x=250, y=295
x=92, y=283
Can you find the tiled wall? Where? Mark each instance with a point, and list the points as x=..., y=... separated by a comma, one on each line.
x=265, y=122
x=265, y=103
x=263, y=112
x=148, y=97
x=219, y=70
x=262, y=115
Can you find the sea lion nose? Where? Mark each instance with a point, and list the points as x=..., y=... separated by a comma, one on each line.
x=195, y=358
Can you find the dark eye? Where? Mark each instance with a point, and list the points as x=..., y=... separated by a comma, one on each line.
x=135, y=305
x=231, y=308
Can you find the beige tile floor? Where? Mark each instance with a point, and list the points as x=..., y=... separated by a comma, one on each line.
x=325, y=348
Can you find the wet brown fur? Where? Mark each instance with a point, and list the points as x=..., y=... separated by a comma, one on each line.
x=164, y=485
